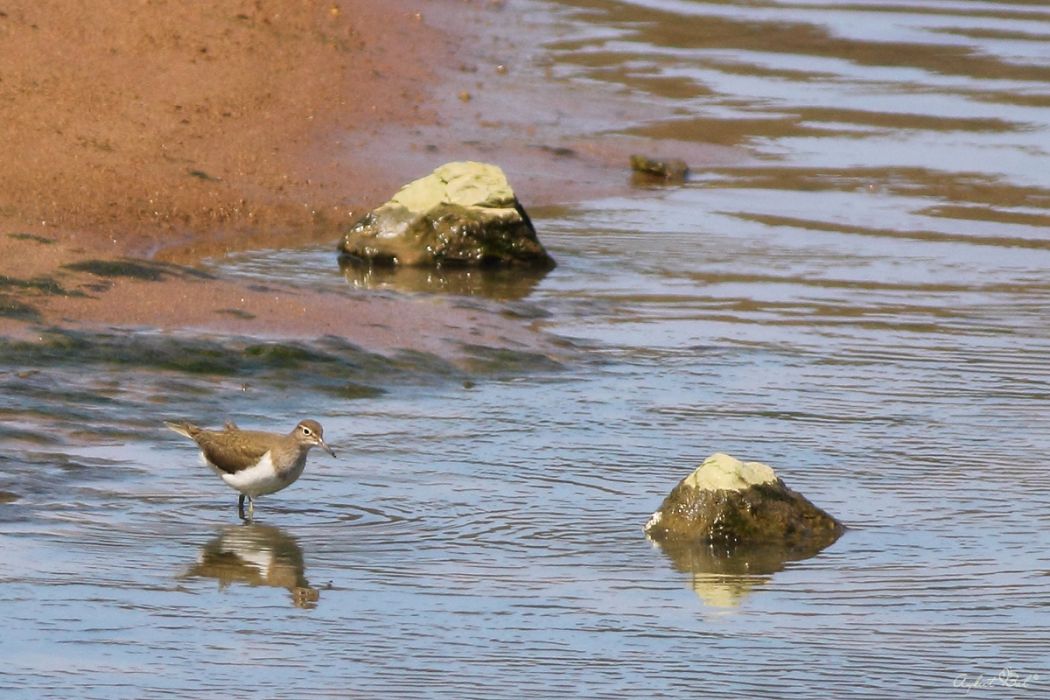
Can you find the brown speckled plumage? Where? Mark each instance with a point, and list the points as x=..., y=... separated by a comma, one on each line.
x=252, y=461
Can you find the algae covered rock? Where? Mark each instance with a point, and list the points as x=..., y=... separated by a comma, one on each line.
x=732, y=503
x=463, y=214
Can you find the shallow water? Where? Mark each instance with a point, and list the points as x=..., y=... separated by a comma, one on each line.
x=862, y=305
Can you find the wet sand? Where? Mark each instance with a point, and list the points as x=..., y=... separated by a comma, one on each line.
x=167, y=132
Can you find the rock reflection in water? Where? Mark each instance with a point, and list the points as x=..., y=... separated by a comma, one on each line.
x=723, y=576
x=504, y=283
x=259, y=555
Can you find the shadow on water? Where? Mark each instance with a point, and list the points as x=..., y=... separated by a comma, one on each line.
x=723, y=577
x=256, y=555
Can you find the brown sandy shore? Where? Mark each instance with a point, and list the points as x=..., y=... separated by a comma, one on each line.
x=172, y=132
x=175, y=131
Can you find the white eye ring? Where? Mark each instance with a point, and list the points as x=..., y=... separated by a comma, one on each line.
x=306, y=431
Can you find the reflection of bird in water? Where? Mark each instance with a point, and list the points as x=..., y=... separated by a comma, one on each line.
x=259, y=555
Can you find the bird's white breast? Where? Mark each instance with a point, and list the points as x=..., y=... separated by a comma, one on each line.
x=261, y=479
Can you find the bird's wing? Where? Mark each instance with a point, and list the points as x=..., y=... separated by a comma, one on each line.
x=233, y=452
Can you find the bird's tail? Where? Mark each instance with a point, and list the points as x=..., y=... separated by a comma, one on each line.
x=183, y=428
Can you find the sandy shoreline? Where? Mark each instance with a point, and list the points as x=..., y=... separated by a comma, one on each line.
x=154, y=123
x=173, y=132
x=176, y=132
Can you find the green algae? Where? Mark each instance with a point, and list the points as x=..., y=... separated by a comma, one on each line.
x=236, y=313
x=43, y=240
x=12, y=308
x=482, y=359
x=201, y=175
x=135, y=269
x=329, y=364
x=39, y=285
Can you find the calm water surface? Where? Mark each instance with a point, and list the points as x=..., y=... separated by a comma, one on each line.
x=862, y=304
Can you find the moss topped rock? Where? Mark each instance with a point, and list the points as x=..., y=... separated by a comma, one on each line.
x=728, y=502
x=463, y=214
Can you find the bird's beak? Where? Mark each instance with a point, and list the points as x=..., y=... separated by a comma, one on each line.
x=324, y=446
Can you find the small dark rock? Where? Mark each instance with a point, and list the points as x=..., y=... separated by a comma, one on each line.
x=672, y=171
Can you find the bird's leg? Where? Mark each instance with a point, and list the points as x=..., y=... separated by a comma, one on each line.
x=251, y=508
x=240, y=507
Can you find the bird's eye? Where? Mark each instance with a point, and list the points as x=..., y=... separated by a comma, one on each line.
x=307, y=432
